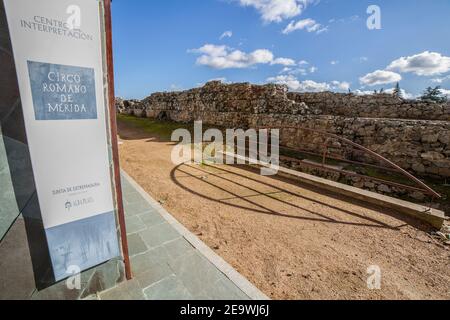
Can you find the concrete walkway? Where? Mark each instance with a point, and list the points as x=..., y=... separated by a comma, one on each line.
x=169, y=262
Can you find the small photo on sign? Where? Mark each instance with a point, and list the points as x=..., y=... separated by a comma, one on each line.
x=62, y=92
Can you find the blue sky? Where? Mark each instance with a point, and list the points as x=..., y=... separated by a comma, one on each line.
x=310, y=45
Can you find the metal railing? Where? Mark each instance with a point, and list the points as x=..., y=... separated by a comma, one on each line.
x=386, y=165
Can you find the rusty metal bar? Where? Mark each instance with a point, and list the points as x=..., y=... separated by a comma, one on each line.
x=356, y=147
x=354, y=174
x=333, y=157
x=338, y=159
x=366, y=150
x=114, y=140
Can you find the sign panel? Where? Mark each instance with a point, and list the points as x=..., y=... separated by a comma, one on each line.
x=61, y=81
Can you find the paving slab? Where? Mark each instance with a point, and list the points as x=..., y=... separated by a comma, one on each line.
x=156, y=273
x=178, y=248
x=170, y=288
x=158, y=235
x=136, y=245
x=134, y=224
x=151, y=219
x=129, y=290
x=170, y=263
x=196, y=272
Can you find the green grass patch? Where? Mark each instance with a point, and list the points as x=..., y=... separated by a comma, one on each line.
x=388, y=175
x=162, y=129
x=442, y=189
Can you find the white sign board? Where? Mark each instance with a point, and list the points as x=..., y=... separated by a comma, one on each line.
x=57, y=49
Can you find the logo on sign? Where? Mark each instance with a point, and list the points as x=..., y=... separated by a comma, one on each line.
x=62, y=92
x=78, y=203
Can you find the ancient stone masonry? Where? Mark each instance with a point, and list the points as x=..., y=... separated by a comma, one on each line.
x=372, y=106
x=413, y=134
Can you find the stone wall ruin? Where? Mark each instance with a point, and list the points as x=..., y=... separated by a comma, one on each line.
x=413, y=134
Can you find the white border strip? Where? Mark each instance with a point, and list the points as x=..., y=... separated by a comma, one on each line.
x=239, y=280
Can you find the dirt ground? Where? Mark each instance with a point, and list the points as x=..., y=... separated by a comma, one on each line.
x=290, y=240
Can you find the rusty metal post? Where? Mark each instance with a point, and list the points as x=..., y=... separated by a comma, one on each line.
x=114, y=140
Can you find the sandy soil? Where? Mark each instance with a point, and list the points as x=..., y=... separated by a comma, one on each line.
x=291, y=241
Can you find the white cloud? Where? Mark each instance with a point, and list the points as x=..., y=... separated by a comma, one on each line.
x=309, y=25
x=405, y=95
x=289, y=80
x=294, y=71
x=363, y=59
x=226, y=34
x=284, y=61
x=296, y=85
x=303, y=62
x=211, y=50
x=363, y=92
x=286, y=70
x=259, y=56
x=441, y=80
x=223, y=57
x=344, y=86
x=175, y=87
x=423, y=64
x=308, y=85
x=312, y=86
x=334, y=62
x=380, y=77
x=300, y=71
x=322, y=30
x=445, y=92
x=346, y=20
x=277, y=10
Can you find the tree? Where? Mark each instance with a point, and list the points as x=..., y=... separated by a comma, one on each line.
x=433, y=94
x=397, y=91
